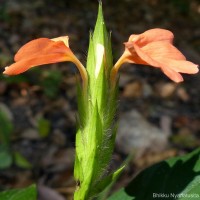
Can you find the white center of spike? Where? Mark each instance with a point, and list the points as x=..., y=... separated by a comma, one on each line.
x=99, y=58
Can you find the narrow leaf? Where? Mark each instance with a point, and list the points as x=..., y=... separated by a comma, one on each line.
x=104, y=183
x=6, y=129
x=21, y=161
x=5, y=158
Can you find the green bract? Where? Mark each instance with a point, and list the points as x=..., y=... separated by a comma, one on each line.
x=96, y=134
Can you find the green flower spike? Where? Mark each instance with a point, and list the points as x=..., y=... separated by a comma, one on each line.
x=97, y=129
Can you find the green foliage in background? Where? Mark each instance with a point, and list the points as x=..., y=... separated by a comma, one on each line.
x=21, y=161
x=6, y=158
x=44, y=127
x=28, y=193
x=14, y=79
x=6, y=129
x=182, y=6
x=7, y=155
x=175, y=176
x=50, y=82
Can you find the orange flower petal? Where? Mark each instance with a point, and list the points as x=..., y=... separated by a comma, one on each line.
x=167, y=56
x=44, y=45
x=162, y=49
x=39, y=52
x=182, y=66
x=173, y=75
x=152, y=35
x=160, y=53
x=154, y=47
x=45, y=51
x=25, y=64
x=155, y=51
x=31, y=48
x=138, y=52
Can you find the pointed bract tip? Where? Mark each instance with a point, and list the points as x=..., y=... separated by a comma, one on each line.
x=100, y=3
x=100, y=10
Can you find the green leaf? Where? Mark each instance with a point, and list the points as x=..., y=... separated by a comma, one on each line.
x=21, y=161
x=176, y=176
x=6, y=128
x=50, y=82
x=14, y=79
x=5, y=158
x=44, y=126
x=28, y=193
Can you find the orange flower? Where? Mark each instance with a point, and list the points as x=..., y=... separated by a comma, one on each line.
x=44, y=51
x=154, y=47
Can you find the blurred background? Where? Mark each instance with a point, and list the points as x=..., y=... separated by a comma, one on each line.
x=157, y=118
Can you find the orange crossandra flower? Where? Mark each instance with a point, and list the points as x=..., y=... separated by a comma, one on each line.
x=154, y=47
x=44, y=51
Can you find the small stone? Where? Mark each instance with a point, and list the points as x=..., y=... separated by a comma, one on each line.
x=58, y=137
x=31, y=134
x=166, y=124
x=46, y=193
x=182, y=94
x=166, y=90
x=59, y=159
x=133, y=90
x=147, y=90
x=124, y=79
x=135, y=134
